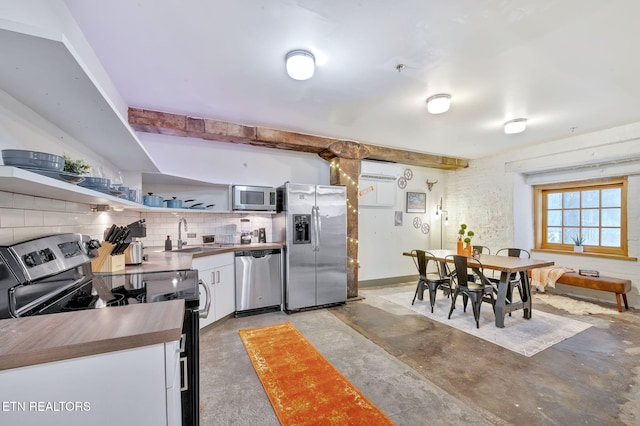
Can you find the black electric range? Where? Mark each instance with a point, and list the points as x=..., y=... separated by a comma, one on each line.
x=52, y=274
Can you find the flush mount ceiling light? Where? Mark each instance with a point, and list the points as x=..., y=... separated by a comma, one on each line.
x=437, y=104
x=516, y=125
x=300, y=64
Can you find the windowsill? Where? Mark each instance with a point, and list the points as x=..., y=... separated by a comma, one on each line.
x=587, y=254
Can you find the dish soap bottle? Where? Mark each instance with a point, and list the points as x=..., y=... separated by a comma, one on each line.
x=167, y=244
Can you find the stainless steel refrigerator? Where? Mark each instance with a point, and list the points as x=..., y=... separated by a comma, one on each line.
x=312, y=222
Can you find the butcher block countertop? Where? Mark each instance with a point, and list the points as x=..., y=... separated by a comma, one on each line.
x=46, y=338
x=160, y=260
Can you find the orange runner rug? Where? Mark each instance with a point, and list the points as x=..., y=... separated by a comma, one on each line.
x=303, y=387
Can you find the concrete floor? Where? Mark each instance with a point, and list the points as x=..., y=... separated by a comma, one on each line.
x=420, y=372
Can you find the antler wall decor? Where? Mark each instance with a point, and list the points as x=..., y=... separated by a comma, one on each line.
x=430, y=184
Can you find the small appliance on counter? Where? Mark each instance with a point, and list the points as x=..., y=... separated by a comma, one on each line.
x=245, y=231
x=134, y=255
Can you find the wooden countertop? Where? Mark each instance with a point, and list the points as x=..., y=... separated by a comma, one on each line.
x=54, y=337
x=160, y=260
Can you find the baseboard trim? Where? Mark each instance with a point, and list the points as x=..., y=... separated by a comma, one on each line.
x=387, y=281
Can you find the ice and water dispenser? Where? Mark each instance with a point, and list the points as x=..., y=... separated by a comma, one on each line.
x=301, y=234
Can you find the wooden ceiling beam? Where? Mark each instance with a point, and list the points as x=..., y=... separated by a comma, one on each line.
x=221, y=131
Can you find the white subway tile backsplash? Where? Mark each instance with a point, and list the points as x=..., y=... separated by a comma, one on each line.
x=6, y=236
x=11, y=218
x=33, y=218
x=6, y=199
x=21, y=201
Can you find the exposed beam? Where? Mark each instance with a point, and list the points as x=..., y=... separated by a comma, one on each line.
x=181, y=125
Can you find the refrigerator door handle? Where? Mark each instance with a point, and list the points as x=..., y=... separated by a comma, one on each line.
x=318, y=228
x=315, y=234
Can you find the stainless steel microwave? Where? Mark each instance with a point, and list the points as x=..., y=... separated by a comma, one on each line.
x=254, y=198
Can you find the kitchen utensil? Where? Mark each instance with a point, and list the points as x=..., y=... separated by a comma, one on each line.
x=197, y=206
x=34, y=159
x=153, y=200
x=110, y=232
x=173, y=203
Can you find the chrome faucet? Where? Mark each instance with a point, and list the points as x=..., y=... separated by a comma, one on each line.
x=180, y=222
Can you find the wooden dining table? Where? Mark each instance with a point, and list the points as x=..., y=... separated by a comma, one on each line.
x=506, y=265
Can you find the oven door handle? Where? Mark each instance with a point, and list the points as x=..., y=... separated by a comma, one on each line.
x=204, y=313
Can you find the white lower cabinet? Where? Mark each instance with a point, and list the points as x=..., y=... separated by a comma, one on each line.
x=129, y=387
x=218, y=273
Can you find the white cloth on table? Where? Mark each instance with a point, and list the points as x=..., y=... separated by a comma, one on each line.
x=547, y=276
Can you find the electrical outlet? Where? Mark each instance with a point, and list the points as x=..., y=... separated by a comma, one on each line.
x=191, y=235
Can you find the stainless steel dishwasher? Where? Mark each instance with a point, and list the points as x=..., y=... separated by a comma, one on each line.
x=258, y=281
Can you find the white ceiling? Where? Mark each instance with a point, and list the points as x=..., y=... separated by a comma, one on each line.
x=569, y=66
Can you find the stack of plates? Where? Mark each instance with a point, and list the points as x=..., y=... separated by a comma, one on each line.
x=42, y=163
x=97, y=184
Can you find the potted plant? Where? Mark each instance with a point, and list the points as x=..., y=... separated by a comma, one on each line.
x=464, y=240
x=77, y=167
x=578, y=241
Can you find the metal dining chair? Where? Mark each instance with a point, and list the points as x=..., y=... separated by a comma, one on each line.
x=477, y=292
x=481, y=249
x=514, y=279
x=430, y=280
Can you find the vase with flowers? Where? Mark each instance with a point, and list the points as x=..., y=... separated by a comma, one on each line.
x=464, y=241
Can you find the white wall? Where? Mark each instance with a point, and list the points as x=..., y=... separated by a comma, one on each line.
x=228, y=163
x=381, y=243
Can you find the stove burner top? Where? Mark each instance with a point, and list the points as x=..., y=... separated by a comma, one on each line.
x=79, y=303
x=137, y=294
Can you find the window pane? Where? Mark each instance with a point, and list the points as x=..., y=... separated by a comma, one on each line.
x=591, y=217
x=591, y=198
x=610, y=217
x=610, y=237
x=571, y=200
x=571, y=218
x=554, y=218
x=612, y=197
x=591, y=236
x=569, y=235
x=553, y=235
x=554, y=201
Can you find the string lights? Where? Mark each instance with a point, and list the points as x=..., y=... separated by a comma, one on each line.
x=353, y=183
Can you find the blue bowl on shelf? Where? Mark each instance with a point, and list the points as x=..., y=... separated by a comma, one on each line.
x=32, y=159
x=100, y=184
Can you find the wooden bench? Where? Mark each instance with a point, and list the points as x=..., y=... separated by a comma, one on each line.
x=615, y=285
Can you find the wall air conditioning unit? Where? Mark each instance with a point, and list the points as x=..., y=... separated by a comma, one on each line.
x=374, y=170
x=378, y=183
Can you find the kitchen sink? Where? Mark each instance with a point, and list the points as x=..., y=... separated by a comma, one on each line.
x=188, y=250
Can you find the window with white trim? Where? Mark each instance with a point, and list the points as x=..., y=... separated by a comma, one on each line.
x=593, y=213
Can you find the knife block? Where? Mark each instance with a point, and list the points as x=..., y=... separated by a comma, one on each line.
x=105, y=262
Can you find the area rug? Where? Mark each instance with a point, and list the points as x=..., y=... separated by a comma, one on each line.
x=303, y=387
x=526, y=337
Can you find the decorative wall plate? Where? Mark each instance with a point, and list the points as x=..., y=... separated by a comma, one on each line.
x=402, y=183
x=417, y=222
x=425, y=228
x=408, y=174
